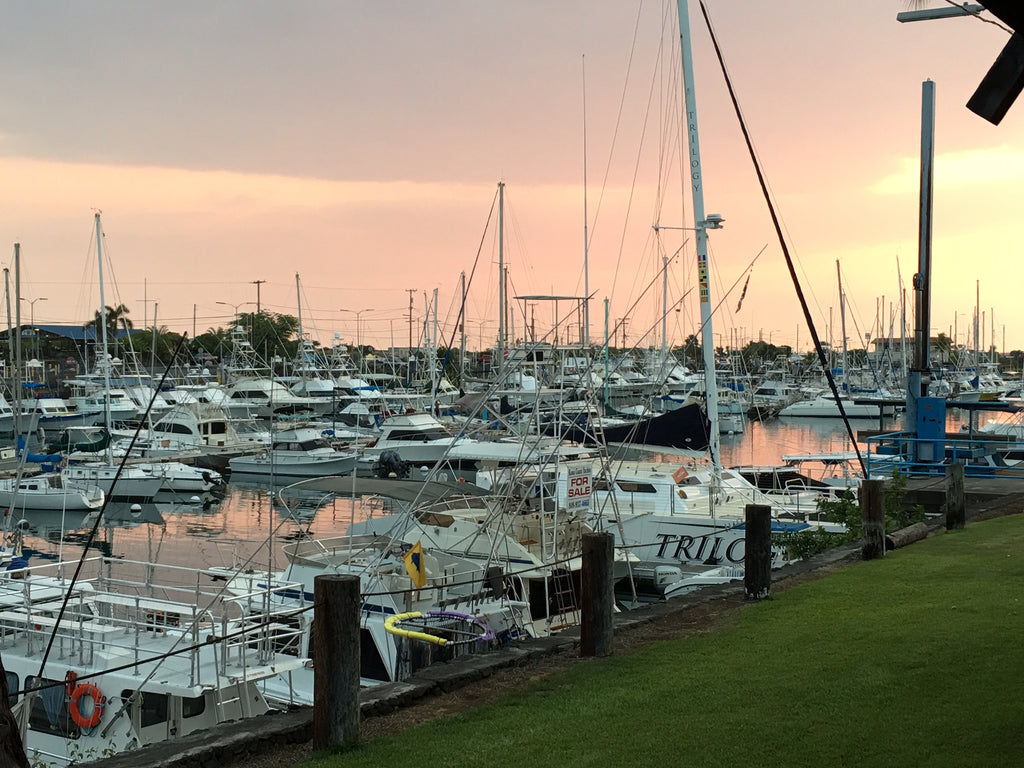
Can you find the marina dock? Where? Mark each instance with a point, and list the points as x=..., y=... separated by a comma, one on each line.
x=231, y=744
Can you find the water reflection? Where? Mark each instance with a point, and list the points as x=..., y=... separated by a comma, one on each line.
x=250, y=519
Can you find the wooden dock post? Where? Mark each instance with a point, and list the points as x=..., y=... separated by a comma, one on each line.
x=598, y=600
x=956, y=498
x=336, y=650
x=872, y=517
x=757, y=560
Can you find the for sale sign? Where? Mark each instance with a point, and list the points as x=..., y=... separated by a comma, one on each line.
x=580, y=481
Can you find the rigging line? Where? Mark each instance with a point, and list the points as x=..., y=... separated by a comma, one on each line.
x=648, y=287
x=726, y=294
x=782, y=240
x=106, y=501
x=872, y=367
x=461, y=318
x=618, y=118
x=632, y=186
x=978, y=16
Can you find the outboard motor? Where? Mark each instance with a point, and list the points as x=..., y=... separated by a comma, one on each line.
x=390, y=464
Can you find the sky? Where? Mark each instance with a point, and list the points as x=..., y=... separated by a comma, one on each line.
x=346, y=155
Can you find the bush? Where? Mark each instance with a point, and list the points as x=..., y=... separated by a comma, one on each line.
x=844, y=509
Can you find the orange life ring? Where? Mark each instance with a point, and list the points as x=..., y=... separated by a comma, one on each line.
x=680, y=474
x=98, y=702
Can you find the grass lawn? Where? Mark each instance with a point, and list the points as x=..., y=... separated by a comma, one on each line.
x=910, y=660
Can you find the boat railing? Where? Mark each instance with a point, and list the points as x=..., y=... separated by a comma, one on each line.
x=915, y=456
x=122, y=617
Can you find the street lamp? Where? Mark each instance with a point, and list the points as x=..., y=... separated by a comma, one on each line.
x=32, y=319
x=359, y=343
x=234, y=306
x=927, y=14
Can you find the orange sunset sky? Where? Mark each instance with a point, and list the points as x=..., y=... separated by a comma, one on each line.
x=360, y=145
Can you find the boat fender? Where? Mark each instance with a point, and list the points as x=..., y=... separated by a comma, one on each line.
x=98, y=702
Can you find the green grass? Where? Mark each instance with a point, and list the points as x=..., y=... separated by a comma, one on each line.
x=911, y=660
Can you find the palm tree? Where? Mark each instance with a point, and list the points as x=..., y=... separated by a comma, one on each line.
x=115, y=316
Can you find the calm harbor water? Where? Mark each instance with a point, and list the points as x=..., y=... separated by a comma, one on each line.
x=232, y=526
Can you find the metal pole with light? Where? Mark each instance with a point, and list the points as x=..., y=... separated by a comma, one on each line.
x=359, y=344
x=32, y=319
x=235, y=307
x=949, y=11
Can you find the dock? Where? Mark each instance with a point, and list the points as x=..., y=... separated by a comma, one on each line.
x=229, y=744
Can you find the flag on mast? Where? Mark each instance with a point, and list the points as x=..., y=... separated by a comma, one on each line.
x=743, y=293
x=414, y=565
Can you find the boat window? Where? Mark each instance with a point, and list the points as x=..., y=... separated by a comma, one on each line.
x=600, y=484
x=630, y=487
x=371, y=665
x=193, y=707
x=152, y=707
x=12, y=688
x=417, y=434
x=50, y=712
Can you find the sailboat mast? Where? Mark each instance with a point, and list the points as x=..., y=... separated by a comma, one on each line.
x=501, y=276
x=298, y=304
x=16, y=383
x=700, y=223
x=462, y=334
x=664, y=317
x=103, y=324
x=842, y=321
x=586, y=236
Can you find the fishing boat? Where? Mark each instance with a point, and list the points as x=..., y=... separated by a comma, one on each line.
x=533, y=544
x=136, y=660
x=418, y=438
x=301, y=452
x=49, y=491
x=390, y=586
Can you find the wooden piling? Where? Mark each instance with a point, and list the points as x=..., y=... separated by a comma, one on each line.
x=872, y=516
x=956, y=498
x=598, y=600
x=336, y=651
x=757, y=561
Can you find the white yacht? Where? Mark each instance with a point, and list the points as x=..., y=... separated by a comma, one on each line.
x=418, y=438
x=48, y=490
x=130, y=671
x=302, y=452
x=262, y=398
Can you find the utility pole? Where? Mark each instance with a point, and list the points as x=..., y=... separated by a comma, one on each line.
x=257, y=283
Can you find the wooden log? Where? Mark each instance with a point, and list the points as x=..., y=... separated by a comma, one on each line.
x=956, y=498
x=336, y=650
x=905, y=536
x=598, y=600
x=757, y=560
x=872, y=517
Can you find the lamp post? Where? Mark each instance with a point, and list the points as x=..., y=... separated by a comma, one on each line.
x=948, y=11
x=359, y=343
x=235, y=306
x=32, y=320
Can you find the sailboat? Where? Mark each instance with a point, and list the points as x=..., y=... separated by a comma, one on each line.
x=126, y=483
x=688, y=517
